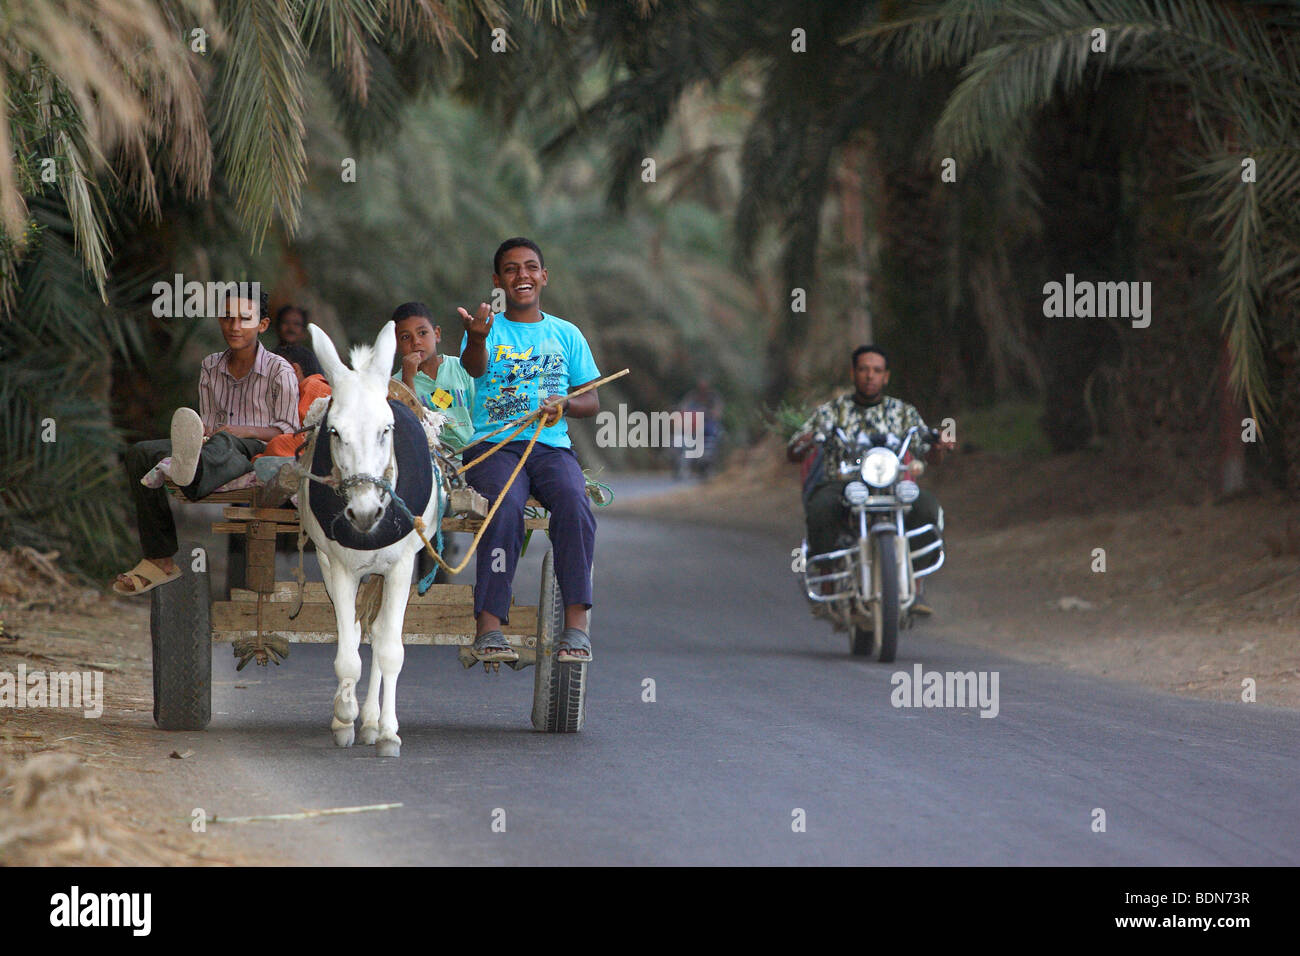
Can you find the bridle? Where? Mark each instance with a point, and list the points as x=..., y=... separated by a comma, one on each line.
x=336, y=482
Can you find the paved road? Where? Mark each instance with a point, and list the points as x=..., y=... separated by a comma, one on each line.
x=759, y=712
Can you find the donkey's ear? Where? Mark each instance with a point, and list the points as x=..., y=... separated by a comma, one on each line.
x=330, y=362
x=381, y=360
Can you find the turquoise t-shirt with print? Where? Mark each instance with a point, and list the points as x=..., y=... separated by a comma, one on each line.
x=450, y=394
x=526, y=362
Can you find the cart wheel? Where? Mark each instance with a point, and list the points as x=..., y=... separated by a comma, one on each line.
x=180, y=621
x=559, y=690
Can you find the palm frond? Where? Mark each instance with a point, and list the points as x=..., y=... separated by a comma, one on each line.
x=87, y=210
x=936, y=36
x=259, y=113
x=116, y=66
x=1239, y=223
x=349, y=26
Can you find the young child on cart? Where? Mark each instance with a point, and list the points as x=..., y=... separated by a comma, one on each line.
x=438, y=381
x=247, y=397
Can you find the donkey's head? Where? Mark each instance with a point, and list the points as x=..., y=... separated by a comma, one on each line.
x=360, y=423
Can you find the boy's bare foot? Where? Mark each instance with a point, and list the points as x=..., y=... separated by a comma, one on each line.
x=146, y=576
x=187, y=444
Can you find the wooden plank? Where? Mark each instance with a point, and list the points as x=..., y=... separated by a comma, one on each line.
x=241, y=527
x=260, y=579
x=467, y=501
x=319, y=618
x=472, y=525
x=241, y=496
x=260, y=556
x=314, y=593
x=236, y=513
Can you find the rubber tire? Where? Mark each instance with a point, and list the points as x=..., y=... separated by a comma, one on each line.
x=559, y=689
x=886, y=544
x=180, y=623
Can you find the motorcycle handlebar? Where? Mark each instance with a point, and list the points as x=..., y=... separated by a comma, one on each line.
x=928, y=435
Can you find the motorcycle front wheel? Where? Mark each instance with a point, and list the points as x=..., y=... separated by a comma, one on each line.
x=884, y=574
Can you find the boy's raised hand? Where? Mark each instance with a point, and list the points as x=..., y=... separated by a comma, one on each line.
x=410, y=364
x=478, y=324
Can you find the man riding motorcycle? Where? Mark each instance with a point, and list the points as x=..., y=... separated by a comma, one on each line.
x=868, y=409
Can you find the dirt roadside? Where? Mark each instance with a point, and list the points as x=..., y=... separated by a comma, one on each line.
x=84, y=790
x=1196, y=597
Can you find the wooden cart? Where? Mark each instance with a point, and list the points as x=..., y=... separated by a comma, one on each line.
x=185, y=622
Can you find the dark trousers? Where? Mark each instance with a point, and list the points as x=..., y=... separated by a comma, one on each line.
x=224, y=457
x=827, y=516
x=554, y=477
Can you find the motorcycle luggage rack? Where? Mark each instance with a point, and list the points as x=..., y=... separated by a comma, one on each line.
x=842, y=579
x=935, y=545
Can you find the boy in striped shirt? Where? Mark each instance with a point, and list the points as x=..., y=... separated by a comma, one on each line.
x=247, y=396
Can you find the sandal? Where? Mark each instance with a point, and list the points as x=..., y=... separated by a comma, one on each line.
x=573, y=646
x=492, y=646
x=187, y=446
x=144, y=577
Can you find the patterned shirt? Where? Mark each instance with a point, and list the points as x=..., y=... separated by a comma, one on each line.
x=887, y=415
x=267, y=397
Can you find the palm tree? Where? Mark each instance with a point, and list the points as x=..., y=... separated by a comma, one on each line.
x=112, y=92
x=121, y=120
x=1238, y=65
x=823, y=110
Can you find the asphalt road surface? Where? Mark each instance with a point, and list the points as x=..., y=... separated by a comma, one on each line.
x=759, y=713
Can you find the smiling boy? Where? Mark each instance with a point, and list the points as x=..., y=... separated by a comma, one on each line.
x=247, y=396
x=525, y=360
x=438, y=381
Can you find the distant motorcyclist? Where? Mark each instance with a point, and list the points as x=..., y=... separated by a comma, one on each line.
x=866, y=408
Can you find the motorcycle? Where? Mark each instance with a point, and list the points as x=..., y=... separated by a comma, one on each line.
x=870, y=587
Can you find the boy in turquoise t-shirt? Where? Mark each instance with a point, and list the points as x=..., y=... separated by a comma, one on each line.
x=438, y=381
x=526, y=360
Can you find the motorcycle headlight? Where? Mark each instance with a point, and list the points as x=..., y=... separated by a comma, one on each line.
x=908, y=491
x=880, y=467
x=855, y=492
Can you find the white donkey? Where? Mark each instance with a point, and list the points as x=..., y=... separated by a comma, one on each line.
x=359, y=432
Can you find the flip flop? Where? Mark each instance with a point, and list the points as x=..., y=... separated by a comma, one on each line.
x=187, y=445
x=492, y=646
x=144, y=577
x=573, y=646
